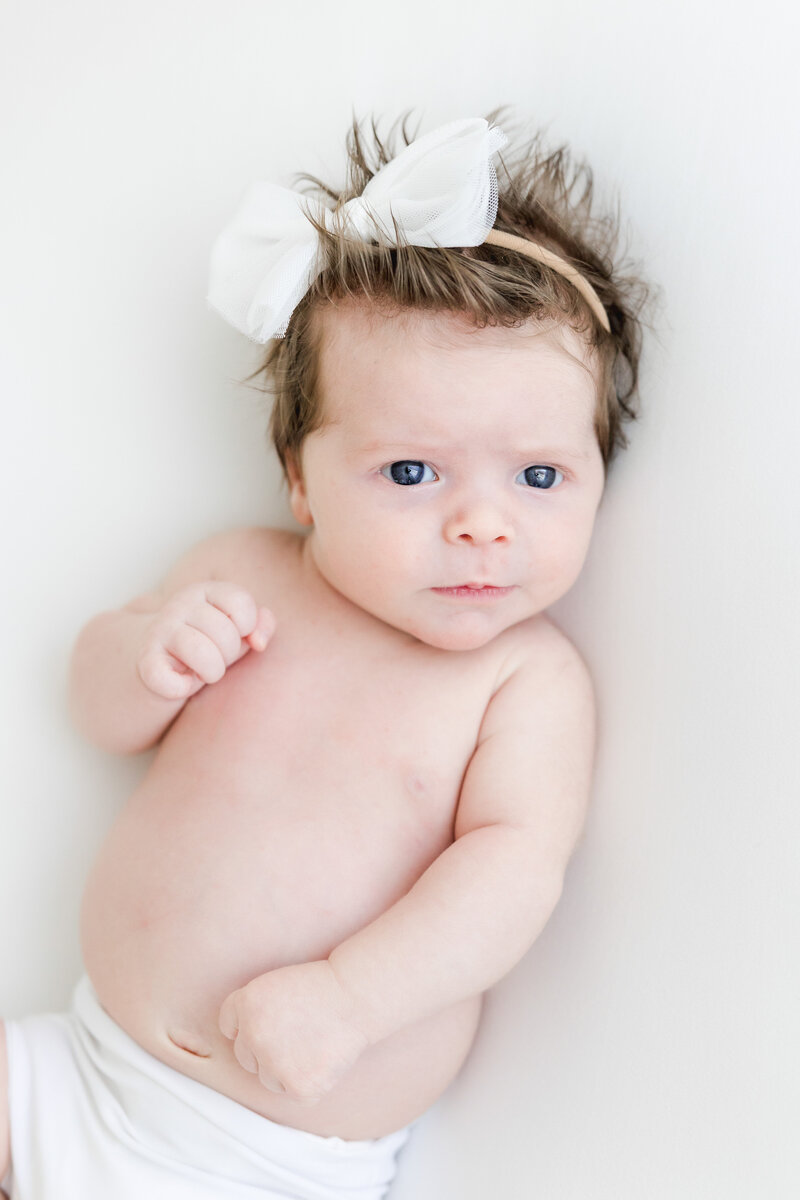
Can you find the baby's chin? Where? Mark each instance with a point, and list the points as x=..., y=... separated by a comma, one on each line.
x=466, y=632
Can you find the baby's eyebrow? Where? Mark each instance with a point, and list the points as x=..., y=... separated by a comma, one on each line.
x=527, y=454
x=393, y=444
x=557, y=452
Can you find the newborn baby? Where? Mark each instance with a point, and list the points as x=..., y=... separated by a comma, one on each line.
x=374, y=747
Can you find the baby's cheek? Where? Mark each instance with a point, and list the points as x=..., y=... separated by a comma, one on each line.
x=570, y=554
x=359, y=569
x=555, y=560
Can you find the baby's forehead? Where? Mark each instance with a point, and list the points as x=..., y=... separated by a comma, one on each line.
x=386, y=375
x=375, y=364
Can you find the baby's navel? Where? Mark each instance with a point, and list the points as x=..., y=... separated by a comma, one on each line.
x=189, y=1042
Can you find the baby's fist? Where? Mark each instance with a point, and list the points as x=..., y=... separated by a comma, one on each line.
x=201, y=631
x=293, y=1028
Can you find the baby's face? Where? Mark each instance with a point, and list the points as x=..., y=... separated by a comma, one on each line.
x=453, y=486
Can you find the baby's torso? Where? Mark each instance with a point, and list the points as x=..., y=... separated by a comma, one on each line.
x=289, y=805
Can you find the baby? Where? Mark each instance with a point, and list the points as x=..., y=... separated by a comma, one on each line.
x=374, y=747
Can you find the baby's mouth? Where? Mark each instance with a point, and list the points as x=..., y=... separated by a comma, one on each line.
x=474, y=591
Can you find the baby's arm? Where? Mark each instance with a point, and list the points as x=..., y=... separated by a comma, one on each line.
x=133, y=669
x=472, y=914
x=483, y=902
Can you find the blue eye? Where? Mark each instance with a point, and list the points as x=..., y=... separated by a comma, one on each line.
x=407, y=471
x=540, y=477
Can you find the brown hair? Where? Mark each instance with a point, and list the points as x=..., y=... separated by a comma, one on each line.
x=543, y=196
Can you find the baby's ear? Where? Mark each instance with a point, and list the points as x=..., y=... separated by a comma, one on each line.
x=298, y=500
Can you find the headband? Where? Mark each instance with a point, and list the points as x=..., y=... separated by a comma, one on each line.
x=441, y=190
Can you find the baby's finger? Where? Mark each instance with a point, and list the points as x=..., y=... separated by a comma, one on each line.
x=229, y=1027
x=218, y=628
x=197, y=652
x=306, y=1101
x=265, y=627
x=229, y=1017
x=245, y=1056
x=271, y=1082
x=159, y=673
x=235, y=602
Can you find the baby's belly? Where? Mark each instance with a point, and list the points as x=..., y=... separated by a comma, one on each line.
x=199, y=890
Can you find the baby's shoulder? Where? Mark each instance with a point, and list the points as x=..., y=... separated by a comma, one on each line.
x=536, y=655
x=245, y=555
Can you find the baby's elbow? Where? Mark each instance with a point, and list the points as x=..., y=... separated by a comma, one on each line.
x=107, y=734
x=542, y=872
x=550, y=887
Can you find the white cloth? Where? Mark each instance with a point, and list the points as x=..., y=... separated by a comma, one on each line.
x=95, y=1117
x=441, y=190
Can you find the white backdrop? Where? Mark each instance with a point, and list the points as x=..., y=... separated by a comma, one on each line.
x=646, y=1046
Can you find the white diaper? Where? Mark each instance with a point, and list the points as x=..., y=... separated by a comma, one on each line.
x=95, y=1117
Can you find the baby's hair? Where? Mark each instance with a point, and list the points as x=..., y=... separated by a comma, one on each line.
x=544, y=196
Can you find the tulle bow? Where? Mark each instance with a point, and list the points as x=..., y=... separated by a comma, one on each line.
x=439, y=191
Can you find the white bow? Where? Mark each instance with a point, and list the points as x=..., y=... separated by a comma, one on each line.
x=439, y=191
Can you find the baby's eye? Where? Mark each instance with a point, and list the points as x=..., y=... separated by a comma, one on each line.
x=408, y=471
x=540, y=477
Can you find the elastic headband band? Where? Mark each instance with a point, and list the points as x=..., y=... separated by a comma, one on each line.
x=496, y=237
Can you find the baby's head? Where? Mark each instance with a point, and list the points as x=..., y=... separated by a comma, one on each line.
x=445, y=415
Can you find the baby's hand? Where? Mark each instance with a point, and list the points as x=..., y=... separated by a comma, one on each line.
x=197, y=635
x=292, y=1028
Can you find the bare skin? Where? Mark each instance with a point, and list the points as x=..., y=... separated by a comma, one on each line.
x=293, y=832
x=371, y=772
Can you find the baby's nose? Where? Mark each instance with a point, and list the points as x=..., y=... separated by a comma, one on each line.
x=478, y=524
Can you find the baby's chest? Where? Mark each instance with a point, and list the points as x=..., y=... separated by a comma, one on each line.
x=332, y=728
x=341, y=771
